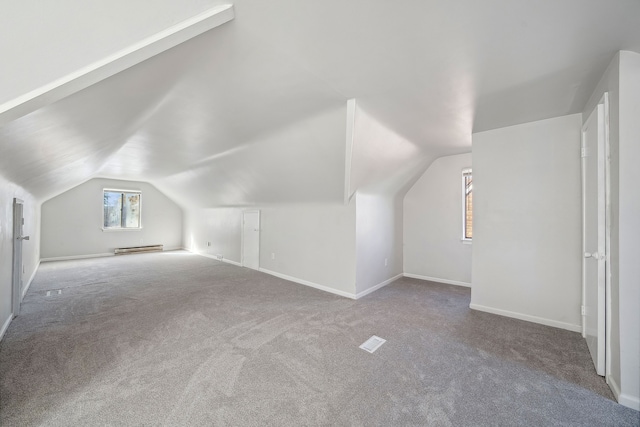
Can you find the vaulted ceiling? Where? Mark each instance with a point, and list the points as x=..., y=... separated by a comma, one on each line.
x=255, y=110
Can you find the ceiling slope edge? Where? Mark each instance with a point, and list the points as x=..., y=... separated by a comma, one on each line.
x=115, y=63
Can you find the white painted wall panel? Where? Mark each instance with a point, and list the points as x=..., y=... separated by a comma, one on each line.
x=621, y=81
x=67, y=35
x=72, y=221
x=30, y=249
x=629, y=211
x=433, y=223
x=220, y=227
x=310, y=242
x=527, y=228
x=610, y=82
x=378, y=238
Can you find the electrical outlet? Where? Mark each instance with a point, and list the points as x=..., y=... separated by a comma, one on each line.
x=208, y=243
x=386, y=262
x=273, y=255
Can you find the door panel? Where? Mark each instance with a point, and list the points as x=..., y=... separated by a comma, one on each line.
x=594, y=264
x=251, y=240
x=16, y=288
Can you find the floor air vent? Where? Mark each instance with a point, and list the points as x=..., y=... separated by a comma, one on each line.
x=372, y=344
x=139, y=249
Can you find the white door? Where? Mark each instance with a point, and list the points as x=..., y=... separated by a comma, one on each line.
x=593, y=241
x=251, y=239
x=18, y=238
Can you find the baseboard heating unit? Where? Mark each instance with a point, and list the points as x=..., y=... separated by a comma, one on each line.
x=139, y=249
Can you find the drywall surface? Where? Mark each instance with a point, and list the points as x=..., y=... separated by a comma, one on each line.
x=30, y=248
x=312, y=243
x=378, y=240
x=527, y=231
x=382, y=162
x=629, y=228
x=214, y=232
x=315, y=243
x=433, y=208
x=72, y=221
x=69, y=34
x=610, y=83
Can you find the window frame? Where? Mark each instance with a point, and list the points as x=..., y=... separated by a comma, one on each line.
x=122, y=191
x=465, y=172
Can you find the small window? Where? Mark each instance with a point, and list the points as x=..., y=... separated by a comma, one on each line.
x=467, y=204
x=121, y=209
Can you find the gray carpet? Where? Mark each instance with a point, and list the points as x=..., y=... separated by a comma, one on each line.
x=176, y=339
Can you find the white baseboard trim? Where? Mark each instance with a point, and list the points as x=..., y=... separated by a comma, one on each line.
x=629, y=401
x=378, y=286
x=622, y=398
x=228, y=261
x=436, y=279
x=5, y=326
x=310, y=284
x=72, y=257
x=615, y=388
x=527, y=317
x=173, y=248
x=26, y=288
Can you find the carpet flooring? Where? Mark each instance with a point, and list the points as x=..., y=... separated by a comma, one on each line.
x=174, y=339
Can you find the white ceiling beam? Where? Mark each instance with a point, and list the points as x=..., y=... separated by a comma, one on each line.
x=115, y=63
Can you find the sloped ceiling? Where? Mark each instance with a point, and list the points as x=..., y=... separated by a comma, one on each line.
x=254, y=112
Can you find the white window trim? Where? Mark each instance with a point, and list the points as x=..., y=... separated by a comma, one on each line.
x=118, y=229
x=464, y=239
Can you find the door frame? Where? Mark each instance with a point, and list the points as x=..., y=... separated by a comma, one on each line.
x=604, y=101
x=16, y=263
x=242, y=261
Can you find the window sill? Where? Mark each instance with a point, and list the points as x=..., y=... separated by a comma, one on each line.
x=466, y=241
x=109, y=230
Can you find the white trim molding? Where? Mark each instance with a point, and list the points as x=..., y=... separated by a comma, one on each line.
x=228, y=261
x=629, y=401
x=72, y=257
x=615, y=388
x=5, y=326
x=113, y=64
x=436, y=279
x=622, y=398
x=33, y=275
x=378, y=286
x=527, y=317
x=308, y=283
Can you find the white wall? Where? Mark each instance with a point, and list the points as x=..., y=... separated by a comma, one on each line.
x=72, y=221
x=629, y=267
x=47, y=33
x=313, y=243
x=610, y=82
x=382, y=161
x=221, y=227
x=433, y=245
x=378, y=238
x=30, y=248
x=527, y=230
x=620, y=80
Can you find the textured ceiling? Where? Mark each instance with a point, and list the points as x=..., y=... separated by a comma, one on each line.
x=254, y=112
